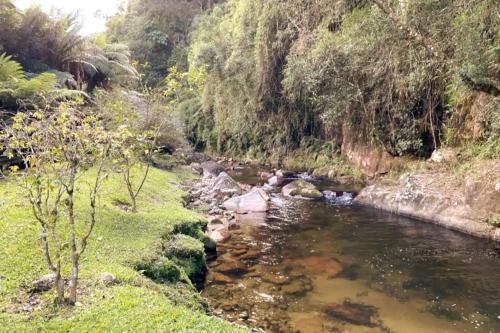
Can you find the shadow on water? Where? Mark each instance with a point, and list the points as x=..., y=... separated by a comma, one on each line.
x=323, y=267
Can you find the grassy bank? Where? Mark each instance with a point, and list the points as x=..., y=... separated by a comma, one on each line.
x=125, y=244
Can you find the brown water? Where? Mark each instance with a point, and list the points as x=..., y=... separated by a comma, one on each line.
x=329, y=267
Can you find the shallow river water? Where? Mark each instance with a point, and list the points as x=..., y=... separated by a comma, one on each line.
x=337, y=267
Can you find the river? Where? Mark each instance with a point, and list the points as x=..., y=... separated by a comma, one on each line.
x=332, y=266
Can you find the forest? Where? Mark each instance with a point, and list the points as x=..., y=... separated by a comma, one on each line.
x=100, y=136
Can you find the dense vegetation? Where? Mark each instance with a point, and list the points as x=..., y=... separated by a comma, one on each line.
x=407, y=75
x=157, y=33
x=280, y=75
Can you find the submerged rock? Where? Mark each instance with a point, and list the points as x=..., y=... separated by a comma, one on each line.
x=296, y=287
x=219, y=278
x=357, y=314
x=319, y=265
x=247, y=203
x=230, y=265
x=301, y=188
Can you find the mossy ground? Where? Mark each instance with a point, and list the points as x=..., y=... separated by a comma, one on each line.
x=121, y=240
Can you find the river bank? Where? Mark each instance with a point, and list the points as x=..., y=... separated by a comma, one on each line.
x=464, y=196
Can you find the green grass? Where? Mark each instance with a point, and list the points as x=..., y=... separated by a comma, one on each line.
x=121, y=240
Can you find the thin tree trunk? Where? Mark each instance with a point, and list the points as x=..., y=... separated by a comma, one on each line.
x=73, y=283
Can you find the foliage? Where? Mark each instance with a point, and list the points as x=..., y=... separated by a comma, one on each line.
x=43, y=43
x=187, y=252
x=384, y=73
x=15, y=88
x=157, y=33
x=139, y=125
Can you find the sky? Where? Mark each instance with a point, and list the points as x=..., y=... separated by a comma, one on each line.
x=92, y=23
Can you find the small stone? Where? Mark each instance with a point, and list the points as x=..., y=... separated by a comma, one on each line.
x=108, y=278
x=244, y=315
x=45, y=283
x=228, y=306
x=27, y=308
x=265, y=176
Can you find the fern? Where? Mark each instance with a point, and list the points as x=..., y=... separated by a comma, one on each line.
x=10, y=70
x=15, y=88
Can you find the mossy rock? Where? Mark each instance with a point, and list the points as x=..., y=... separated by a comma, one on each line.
x=188, y=253
x=302, y=188
x=164, y=161
x=194, y=228
x=163, y=270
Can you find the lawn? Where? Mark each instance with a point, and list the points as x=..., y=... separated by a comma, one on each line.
x=121, y=240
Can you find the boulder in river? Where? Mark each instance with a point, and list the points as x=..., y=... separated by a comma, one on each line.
x=247, y=203
x=211, y=169
x=275, y=181
x=301, y=188
x=225, y=185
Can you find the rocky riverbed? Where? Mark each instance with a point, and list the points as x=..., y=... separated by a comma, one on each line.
x=289, y=261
